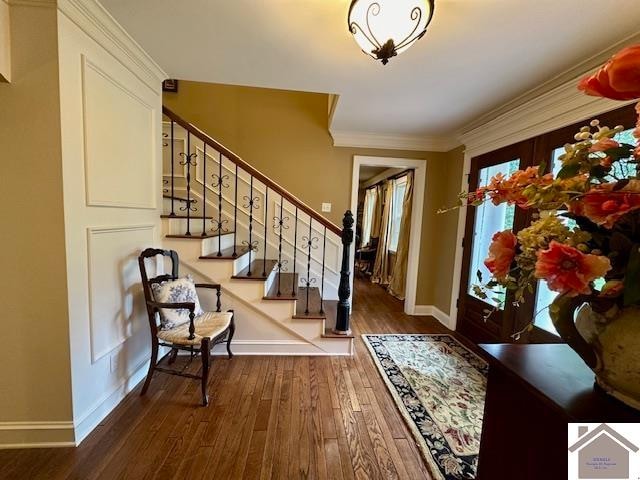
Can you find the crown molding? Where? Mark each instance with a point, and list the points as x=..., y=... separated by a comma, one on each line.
x=555, y=104
x=567, y=76
x=393, y=142
x=558, y=108
x=92, y=18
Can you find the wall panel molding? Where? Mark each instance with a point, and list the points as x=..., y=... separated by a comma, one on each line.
x=112, y=147
x=114, y=290
x=92, y=18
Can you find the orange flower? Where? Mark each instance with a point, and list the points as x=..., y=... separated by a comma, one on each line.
x=569, y=271
x=604, y=144
x=603, y=206
x=618, y=79
x=511, y=190
x=501, y=253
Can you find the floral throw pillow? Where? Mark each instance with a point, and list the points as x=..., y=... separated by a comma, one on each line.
x=176, y=291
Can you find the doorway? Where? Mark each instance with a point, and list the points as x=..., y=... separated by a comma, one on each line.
x=382, y=169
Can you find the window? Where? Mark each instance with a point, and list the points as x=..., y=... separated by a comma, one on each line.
x=367, y=215
x=484, y=220
x=489, y=220
x=399, y=187
x=544, y=296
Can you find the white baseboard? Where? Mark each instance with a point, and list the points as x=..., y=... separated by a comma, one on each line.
x=36, y=434
x=96, y=413
x=277, y=348
x=433, y=311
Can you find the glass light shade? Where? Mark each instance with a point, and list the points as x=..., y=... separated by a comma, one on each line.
x=385, y=28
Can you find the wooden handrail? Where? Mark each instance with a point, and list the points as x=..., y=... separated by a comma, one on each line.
x=251, y=170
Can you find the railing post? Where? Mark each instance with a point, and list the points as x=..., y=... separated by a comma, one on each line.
x=344, y=289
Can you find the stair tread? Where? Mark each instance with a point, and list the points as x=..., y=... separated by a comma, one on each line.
x=315, y=303
x=227, y=253
x=328, y=333
x=195, y=235
x=288, y=287
x=184, y=217
x=260, y=270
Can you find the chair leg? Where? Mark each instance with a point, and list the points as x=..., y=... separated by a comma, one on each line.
x=172, y=356
x=205, y=352
x=232, y=330
x=152, y=367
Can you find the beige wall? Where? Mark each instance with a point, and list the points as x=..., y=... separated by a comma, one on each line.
x=444, y=182
x=36, y=384
x=5, y=43
x=285, y=135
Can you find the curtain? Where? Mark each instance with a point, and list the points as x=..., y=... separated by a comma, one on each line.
x=377, y=212
x=398, y=278
x=368, y=211
x=381, y=266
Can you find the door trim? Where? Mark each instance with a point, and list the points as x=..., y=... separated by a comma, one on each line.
x=419, y=181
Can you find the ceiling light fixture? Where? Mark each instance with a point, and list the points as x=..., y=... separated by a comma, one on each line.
x=385, y=28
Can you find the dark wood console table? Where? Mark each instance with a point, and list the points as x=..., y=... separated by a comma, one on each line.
x=533, y=392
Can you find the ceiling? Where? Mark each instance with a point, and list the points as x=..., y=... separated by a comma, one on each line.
x=367, y=172
x=476, y=55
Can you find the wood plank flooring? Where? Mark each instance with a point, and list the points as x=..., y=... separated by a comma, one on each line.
x=269, y=417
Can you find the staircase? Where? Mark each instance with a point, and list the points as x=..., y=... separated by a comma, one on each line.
x=283, y=267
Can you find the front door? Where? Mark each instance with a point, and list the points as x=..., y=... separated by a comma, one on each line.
x=482, y=222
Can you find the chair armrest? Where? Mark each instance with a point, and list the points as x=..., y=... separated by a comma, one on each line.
x=191, y=306
x=213, y=286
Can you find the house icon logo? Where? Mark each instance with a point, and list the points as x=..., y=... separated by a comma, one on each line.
x=602, y=453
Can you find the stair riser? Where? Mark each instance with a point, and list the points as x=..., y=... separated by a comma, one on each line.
x=210, y=245
x=270, y=281
x=241, y=263
x=177, y=205
x=178, y=226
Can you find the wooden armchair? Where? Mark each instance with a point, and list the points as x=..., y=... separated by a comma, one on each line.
x=199, y=335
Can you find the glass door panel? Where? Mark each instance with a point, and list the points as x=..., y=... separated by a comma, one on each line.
x=489, y=219
x=544, y=296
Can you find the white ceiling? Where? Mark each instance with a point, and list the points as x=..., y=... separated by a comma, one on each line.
x=367, y=172
x=477, y=54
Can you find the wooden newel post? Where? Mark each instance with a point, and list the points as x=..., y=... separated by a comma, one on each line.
x=344, y=290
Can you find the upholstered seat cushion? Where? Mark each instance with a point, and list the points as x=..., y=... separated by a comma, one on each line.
x=209, y=324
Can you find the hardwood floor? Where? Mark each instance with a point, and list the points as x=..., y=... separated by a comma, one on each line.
x=269, y=417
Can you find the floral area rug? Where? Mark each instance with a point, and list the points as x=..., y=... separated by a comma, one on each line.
x=439, y=387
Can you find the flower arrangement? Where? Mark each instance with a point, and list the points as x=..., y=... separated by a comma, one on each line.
x=586, y=221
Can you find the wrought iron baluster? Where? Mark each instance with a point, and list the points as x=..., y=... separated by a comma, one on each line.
x=281, y=225
x=204, y=189
x=324, y=249
x=218, y=182
x=235, y=216
x=295, y=250
x=250, y=222
x=188, y=162
x=252, y=245
x=219, y=205
x=264, y=255
x=173, y=213
x=308, y=282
